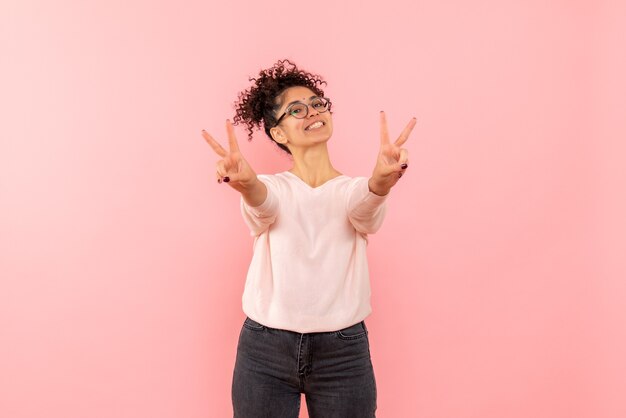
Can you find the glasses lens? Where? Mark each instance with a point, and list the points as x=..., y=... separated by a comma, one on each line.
x=319, y=104
x=298, y=110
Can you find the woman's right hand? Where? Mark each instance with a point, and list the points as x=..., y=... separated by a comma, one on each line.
x=232, y=168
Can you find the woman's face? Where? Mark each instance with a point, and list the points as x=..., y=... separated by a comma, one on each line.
x=295, y=132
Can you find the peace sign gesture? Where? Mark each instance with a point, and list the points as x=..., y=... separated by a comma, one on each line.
x=392, y=160
x=232, y=168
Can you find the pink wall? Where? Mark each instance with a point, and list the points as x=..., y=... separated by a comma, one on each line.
x=498, y=276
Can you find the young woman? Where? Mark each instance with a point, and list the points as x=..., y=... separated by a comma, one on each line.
x=307, y=291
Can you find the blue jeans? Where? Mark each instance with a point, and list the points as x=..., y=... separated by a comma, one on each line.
x=274, y=366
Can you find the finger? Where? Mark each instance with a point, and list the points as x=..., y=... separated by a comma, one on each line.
x=386, y=168
x=232, y=177
x=404, y=157
x=406, y=132
x=219, y=171
x=395, y=162
x=214, y=144
x=225, y=173
x=232, y=141
x=400, y=167
x=384, y=134
x=222, y=171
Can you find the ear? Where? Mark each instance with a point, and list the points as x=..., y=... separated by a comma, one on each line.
x=278, y=135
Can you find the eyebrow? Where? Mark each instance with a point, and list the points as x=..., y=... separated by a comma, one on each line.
x=298, y=101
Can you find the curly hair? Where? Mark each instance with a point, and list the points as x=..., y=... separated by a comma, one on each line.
x=257, y=105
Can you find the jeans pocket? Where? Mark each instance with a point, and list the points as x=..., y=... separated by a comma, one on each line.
x=253, y=325
x=353, y=332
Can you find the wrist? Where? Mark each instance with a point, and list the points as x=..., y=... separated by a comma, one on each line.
x=250, y=184
x=376, y=188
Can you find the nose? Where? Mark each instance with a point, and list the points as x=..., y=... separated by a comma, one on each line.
x=311, y=108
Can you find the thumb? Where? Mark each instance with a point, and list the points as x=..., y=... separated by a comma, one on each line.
x=404, y=156
x=403, y=161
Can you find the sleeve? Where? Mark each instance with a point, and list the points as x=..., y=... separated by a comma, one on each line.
x=259, y=218
x=366, y=210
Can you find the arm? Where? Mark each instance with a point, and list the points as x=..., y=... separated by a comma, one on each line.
x=366, y=210
x=259, y=217
x=255, y=193
x=258, y=204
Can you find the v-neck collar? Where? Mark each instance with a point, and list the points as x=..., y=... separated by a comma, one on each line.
x=308, y=186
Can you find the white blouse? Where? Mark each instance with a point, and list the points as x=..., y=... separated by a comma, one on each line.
x=309, y=269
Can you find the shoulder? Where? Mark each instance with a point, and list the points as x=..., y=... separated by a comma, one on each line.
x=353, y=183
x=273, y=178
x=277, y=182
x=350, y=186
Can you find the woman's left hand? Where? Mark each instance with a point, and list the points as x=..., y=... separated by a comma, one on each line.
x=392, y=159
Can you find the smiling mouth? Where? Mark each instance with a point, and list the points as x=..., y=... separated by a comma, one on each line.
x=315, y=125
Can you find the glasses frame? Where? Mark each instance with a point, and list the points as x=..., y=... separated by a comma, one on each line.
x=287, y=111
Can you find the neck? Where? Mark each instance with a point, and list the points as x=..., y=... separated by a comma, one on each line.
x=312, y=165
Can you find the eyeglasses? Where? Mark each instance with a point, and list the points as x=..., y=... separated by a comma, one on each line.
x=301, y=110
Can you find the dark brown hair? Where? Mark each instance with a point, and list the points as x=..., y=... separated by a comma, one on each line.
x=257, y=105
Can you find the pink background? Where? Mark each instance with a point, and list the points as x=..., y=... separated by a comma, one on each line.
x=498, y=277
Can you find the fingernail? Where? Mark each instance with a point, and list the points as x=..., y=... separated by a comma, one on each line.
x=226, y=179
x=404, y=166
x=219, y=180
x=381, y=111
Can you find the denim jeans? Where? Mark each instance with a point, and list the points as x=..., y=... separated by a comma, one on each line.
x=274, y=366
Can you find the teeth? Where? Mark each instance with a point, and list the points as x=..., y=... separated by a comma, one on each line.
x=315, y=125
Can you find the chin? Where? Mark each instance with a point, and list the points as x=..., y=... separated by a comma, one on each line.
x=322, y=138
x=323, y=133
